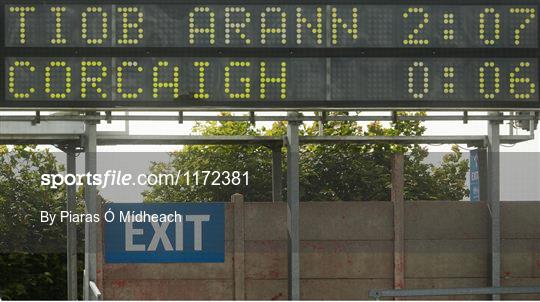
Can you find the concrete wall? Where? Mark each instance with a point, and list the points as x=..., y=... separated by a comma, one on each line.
x=346, y=249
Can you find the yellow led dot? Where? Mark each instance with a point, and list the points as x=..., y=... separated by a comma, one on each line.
x=411, y=79
x=516, y=91
x=302, y=23
x=22, y=10
x=96, y=12
x=135, y=25
x=236, y=26
x=195, y=30
x=416, y=31
x=349, y=28
x=527, y=19
x=92, y=80
x=119, y=78
x=11, y=79
x=58, y=26
x=246, y=93
x=496, y=26
x=281, y=30
x=201, y=91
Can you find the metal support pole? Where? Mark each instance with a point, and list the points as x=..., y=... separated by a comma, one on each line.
x=494, y=203
x=90, y=197
x=321, y=124
x=276, y=174
x=398, y=200
x=293, y=207
x=483, y=174
x=71, y=228
x=239, y=263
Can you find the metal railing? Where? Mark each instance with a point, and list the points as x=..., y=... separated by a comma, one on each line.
x=380, y=293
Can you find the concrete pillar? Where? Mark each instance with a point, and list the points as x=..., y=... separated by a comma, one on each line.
x=71, y=227
x=277, y=176
x=237, y=201
x=494, y=202
x=398, y=200
x=293, y=207
x=92, y=207
x=483, y=173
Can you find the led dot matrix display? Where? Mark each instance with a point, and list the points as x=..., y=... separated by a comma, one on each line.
x=149, y=54
x=236, y=25
x=271, y=79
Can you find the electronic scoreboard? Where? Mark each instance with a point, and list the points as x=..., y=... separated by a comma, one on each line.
x=336, y=54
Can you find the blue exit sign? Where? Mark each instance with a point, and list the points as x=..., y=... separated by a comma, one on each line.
x=164, y=232
x=474, y=176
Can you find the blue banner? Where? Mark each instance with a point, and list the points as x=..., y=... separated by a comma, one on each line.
x=164, y=232
x=474, y=176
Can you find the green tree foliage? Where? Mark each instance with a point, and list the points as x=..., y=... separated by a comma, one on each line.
x=254, y=159
x=337, y=172
x=32, y=254
x=22, y=198
x=33, y=276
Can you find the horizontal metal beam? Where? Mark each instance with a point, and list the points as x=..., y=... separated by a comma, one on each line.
x=50, y=127
x=267, y=2
x=275, y=140
x=379, y=293
x=465, y=139
x=40, y=139
x=282, y=106
x=123, y=139
x=265, y=118
x=107, y=140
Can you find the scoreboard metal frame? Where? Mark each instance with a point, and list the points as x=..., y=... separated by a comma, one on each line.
x=270, y=52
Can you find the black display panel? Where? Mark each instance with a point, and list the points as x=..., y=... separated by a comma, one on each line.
x=257, y=55
x=271, y=25
x=271, y=79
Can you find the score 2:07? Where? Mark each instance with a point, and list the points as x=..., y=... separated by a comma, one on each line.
x=488, y=36
x=204, y=22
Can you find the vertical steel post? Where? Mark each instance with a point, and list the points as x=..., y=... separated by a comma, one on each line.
x=90, y=197
x=398, y=200
x=237, y=201
x=293, y=207
x=71, y=227
x=494, y=202
x=321, y=124
x=276, y=174
x=483, y=171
